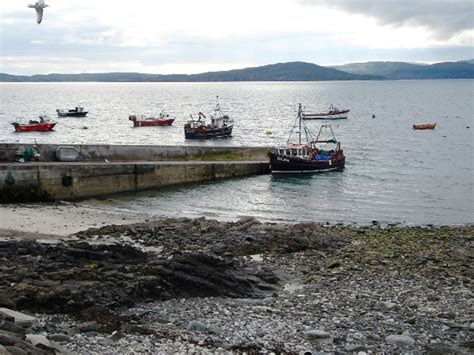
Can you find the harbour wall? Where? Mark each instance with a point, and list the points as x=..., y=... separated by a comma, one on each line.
x=102, y=152
x=104, y=170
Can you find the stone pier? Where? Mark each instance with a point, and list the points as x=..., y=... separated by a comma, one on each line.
x=104, y=170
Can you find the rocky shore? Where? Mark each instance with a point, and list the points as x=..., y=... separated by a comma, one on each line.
x=199, y=285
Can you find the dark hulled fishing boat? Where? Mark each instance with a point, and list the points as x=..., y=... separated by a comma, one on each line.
x=220, y=126
x=308, y=153
x=77, y=111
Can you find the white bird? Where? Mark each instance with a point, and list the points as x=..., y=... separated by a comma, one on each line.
x=38, y=6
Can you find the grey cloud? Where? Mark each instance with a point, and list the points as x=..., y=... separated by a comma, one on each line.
x=444, y=17
x=71, y=47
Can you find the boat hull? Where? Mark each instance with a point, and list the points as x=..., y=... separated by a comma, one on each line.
x=148, y=123
x=36, y=127
x=326, y=116
x=72, y=114
x=283, y=164
x=208, y=133
x=424, y=126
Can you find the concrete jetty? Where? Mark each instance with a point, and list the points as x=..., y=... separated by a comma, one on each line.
x=107, y=169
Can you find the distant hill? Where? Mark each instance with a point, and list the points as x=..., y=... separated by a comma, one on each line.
x=470, y=61
x=293, y=71
x=402, y=70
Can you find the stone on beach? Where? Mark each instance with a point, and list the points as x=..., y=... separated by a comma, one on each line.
x=317, y=335
x=21, y=319
x=400, y=340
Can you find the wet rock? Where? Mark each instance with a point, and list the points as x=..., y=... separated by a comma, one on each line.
x=447, y=315
x=78, y=275
x=400, y=340
x=6, y=301
x=316, y=334
x=36, y=339
x=388, y=305
x=15, y=350
x=21, y=319
x=467, y=344
x=197, y=326
x=59, y=337
x=442, y=349
x=7, y=338
x=354, y=347
x=12, y=327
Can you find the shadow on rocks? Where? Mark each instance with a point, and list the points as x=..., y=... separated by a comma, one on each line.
x=74, y=276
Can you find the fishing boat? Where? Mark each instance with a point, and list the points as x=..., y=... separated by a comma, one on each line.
x=219, y=126
x=425, y=126
x=163, y=119
x=77, y=111
x=42, y=125
x=333, y=114
x=305, y=152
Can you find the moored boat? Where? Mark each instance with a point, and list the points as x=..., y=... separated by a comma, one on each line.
x=42, y=125
x=163, y=119
x=333, y=114
x=425, y=126
x=77, y=111
x=219, y=126
x=308, y=153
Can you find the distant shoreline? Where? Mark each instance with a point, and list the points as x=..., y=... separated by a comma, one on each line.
x=292, y=71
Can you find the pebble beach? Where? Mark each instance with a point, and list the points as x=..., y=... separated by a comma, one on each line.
x=181, y=285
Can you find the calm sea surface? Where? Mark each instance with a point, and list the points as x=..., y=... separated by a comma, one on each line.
x=393, y=174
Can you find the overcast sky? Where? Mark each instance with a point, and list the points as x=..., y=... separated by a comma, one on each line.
x=192, y=36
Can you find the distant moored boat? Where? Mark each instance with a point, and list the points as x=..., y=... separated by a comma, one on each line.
x=425, y=126
x=333, y=114
x=77, y=111
x=42, y=125
x=163, y=119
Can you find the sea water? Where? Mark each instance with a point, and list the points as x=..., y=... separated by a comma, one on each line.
x=393, y=173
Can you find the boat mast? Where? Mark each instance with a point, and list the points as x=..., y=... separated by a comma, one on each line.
x=299, y=118
x=218, y=108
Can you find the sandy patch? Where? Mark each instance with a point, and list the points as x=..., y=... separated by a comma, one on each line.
x=61, y=219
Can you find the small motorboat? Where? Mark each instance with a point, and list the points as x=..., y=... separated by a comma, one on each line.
x=425, y=126
x=305, y=152
x=220, y=126
x=77, y=111
x=44, y=124
x=333, y=114
x=163, y=119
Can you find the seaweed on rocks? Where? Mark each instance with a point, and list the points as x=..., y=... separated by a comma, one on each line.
x=247, y=236
x=72, y=276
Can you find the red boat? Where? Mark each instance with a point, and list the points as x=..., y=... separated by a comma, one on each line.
x=424, y=126
x=163, y=120
x=43, y=125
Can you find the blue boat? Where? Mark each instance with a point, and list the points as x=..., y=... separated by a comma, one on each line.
x=219, y=126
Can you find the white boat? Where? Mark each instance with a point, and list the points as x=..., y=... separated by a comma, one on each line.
x=333, y=114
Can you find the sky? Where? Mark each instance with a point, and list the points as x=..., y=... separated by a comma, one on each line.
x=194, y=36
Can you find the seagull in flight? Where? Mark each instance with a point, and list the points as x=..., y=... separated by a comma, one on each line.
x=38, y=6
